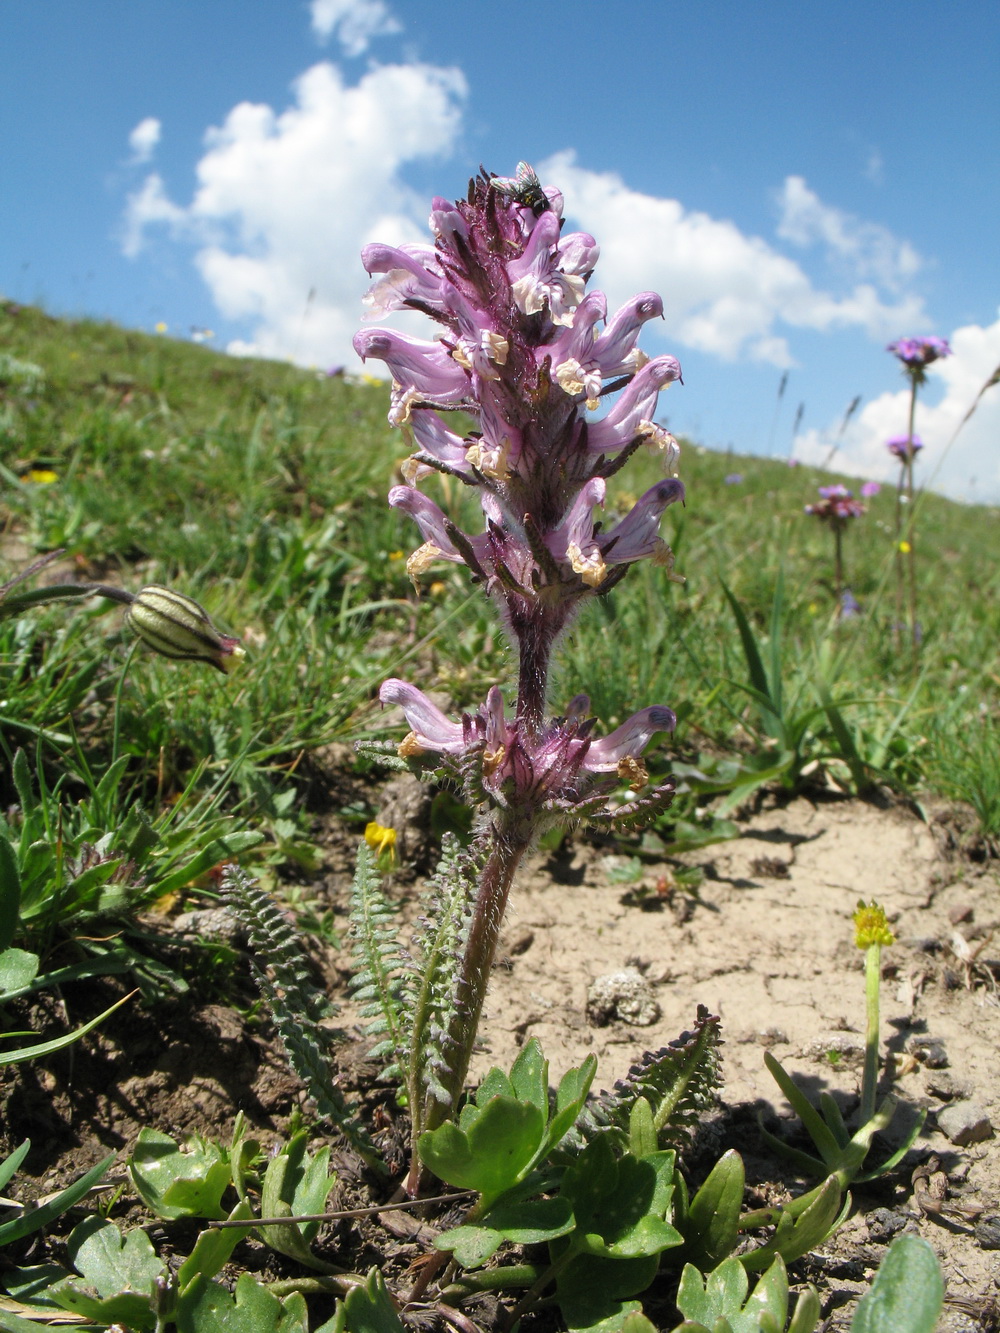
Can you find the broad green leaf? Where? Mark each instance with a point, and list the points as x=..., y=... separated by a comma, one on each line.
x=907, y=1293
x=529, y=1076
x=176, y=1182
x=492, y=1154
x=18, y=969
x=111, y=1262
x=712, y=1224
x=207, y=1307
x=296, y=1183
x=523, y=1223
x=620, y=1205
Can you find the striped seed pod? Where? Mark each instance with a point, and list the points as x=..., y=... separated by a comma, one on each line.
x=176, y=626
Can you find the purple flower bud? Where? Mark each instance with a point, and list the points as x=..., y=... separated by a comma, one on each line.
x=870, y=488
x=536, y=279
x=836, y=506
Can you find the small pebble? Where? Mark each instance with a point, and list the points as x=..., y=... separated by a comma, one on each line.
x=964, y=1122
x=961, y=912
x=624, y=995
x=987, y=1232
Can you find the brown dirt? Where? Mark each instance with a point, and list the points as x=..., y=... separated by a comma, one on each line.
x=765, y=943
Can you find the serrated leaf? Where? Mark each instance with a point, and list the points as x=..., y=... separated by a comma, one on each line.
x=620, y=1205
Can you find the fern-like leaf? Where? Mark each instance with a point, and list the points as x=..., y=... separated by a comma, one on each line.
x=296, y=1004
x=679, y=1082
x=383, y=981
x=439, y=944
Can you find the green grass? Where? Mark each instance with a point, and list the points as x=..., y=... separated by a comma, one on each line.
x=259, y=489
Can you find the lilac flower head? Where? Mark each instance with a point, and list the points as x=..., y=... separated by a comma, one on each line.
x=916, y=354
x=732, y=478
x=904, y=447
x=869, y=488
x=836, y=506
x=919, y=351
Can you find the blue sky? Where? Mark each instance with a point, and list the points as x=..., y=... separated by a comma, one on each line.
x=801, y=182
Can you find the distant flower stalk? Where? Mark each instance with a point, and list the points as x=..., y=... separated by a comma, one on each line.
x=836, y=507
x=915, y=355
x=530, y=354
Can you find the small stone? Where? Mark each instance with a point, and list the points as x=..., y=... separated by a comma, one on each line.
x=929, y=1051
x=959, y=913
x=964, y=1122
x=217, y=924
x=987, y=1232
x=624, y=995
x=838, y=1049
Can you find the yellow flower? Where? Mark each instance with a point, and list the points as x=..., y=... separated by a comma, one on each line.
x=871, y=926
x=905, y=547
x=42, y=476
x=396, y=555
x=161, y=327
x=382, y=841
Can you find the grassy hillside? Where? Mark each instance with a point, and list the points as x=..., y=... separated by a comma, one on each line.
x=259, y=489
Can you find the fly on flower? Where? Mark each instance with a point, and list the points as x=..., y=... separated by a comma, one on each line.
x=523, y=188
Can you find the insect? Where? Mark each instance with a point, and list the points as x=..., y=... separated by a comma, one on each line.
x=524, y=188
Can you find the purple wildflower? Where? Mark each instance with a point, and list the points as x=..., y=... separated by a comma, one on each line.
x=733, y=478
x=528, y=353
x=850, y=607
x=904, y=447
x=919, y=352
x=836, y=506
x=869, y=488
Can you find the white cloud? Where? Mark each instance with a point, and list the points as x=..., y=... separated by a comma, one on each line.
x=355, y=22
x=875, y=167
x=285, y=201
x=724, y=292
x=967, y=469
x=866, y=249
x=143, y=140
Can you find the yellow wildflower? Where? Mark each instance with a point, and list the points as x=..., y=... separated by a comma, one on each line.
x=42, y=476
x=905, y=547
x=382, y=841
x=871, y=926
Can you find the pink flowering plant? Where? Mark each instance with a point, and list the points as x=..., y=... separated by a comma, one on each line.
x=915, y=355
x=530, y=354
x=836, y=507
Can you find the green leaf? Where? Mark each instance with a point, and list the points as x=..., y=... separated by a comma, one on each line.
x=529, y=1076
x=711, y=1227
x=595, y=1295
x=110, y=1262
x=207, y=1307
x=367, y=1308
x=57, y=1043
x=907, y=1293
x=10, y=893
x=795, y=1235
x=175, y=1182
x=296, y=1183
x=531, y=1222
x=18, y=969
x=493, y=1150
x=620, y=1205
x=214, y=1246
x=12, y=1162
x=641, y=1130
x=117, y=1275
x=33, y=1219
